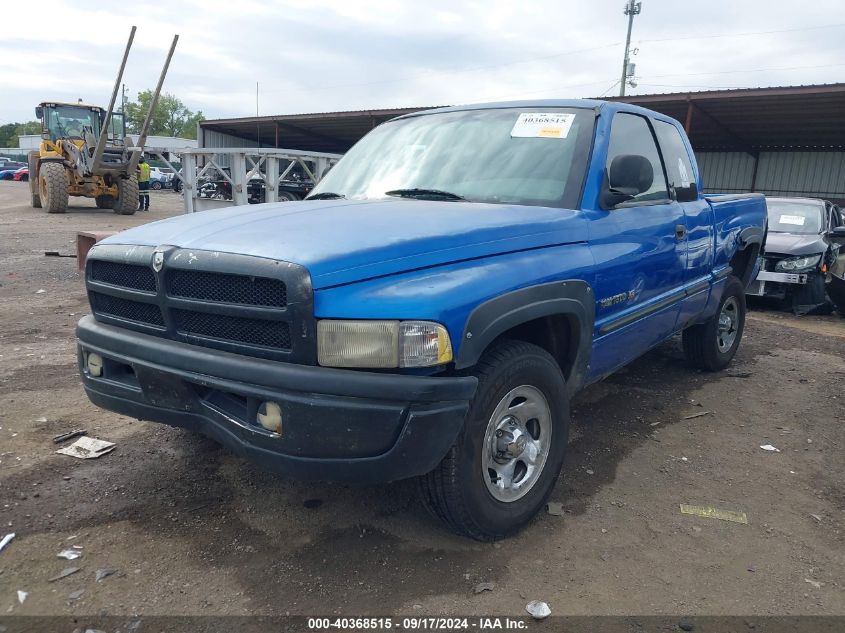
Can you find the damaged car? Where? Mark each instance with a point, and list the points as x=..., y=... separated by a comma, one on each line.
x=803, y=252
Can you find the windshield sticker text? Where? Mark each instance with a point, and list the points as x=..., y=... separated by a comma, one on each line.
x=798, y=220
x=542, y=125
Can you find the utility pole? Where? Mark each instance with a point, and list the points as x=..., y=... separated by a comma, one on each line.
x=632, y=8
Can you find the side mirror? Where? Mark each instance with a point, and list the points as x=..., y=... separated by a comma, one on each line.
x=838, y=231
x=39, y=112
x=629, y=175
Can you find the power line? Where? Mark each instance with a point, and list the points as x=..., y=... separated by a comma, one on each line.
x=745, y=34
x=435, y=73
x=749, y=70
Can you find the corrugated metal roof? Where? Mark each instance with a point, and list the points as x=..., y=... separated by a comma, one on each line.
x=316, y=132
x=754, y=119
x=810, y=117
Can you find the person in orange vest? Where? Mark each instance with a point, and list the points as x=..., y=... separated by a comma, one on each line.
x=143, y=185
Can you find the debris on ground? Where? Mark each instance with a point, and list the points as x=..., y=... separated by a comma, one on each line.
x=814, y=583
x=484, y=586
x=770, y=448
x=22, y=596
x=715, y=513
x=696, y=415
x=41, y=420
x=686, y=625
x=554, y=508
x=6, y=540
x=102, y=574
x=40, y=291
x=815, y=516
x=87, y=448
x=64, y=573
x=739, y=374
x=75, y=595
x=538, y=609
x=69, y=554
x=58, y=254
x=63, y=437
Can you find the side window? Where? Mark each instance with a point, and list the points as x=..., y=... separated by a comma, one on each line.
x=631, y=134
x=678, y=165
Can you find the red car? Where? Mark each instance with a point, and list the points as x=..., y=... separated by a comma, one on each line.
x=22, y=174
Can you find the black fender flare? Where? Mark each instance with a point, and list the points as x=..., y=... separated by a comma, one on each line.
x=572, y=298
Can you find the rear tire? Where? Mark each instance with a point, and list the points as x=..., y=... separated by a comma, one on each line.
x=32, y=163
x=287, y=196
x=126, y=202
x=105, y=201
x=712, y=345
x=480, y=490
x=52, y=187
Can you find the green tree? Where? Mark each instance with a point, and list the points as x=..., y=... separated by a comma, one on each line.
x=170, y=118
x=10, y=132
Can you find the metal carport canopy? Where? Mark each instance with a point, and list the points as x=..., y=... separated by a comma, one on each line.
x=333, y=132
x=791, y=118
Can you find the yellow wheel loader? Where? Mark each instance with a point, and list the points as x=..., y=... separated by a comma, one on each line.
x=85, y=151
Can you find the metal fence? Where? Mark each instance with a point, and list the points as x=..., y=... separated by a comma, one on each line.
x=241, y=168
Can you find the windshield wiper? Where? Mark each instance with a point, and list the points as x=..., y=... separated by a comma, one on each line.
x=326, y=195
x=424, y=194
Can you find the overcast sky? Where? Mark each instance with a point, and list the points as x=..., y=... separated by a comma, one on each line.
x=326, y=55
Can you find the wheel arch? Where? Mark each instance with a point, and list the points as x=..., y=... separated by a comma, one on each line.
x=749, y=246
x=558, y=316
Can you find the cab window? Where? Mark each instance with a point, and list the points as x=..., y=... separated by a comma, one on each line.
x=676, y=158
x=631, y=134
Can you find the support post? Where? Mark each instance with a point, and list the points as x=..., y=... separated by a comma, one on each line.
x=688, y=120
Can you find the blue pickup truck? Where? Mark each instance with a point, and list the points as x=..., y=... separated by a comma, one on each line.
x=432, y=306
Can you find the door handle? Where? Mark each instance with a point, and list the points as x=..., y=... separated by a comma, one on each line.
x=680, y=231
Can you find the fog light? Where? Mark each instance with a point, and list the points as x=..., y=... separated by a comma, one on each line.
x=270, y=416
x=95, y=364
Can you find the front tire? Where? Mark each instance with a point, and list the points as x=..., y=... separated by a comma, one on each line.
x=506, y=461
x=126, y=202
x=52, y=186
x=712, y=345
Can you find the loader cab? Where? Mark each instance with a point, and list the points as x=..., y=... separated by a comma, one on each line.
x=70, y=121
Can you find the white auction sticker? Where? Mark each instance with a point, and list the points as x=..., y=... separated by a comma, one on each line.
x=542, y=125
x=798, y=220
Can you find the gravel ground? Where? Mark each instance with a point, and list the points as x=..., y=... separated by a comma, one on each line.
x=190, y=529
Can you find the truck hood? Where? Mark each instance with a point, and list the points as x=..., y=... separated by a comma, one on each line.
x=795, y=244
x=343, y=241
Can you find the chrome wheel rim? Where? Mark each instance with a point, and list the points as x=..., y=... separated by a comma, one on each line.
x=728, y=324
x=516, y=443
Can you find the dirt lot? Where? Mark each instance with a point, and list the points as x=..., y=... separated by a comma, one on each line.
x=190, y=529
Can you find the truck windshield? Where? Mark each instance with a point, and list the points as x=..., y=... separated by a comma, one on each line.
x=786, y=216
x=522, y=156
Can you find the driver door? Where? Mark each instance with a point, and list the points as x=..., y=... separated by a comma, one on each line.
x=640, y=252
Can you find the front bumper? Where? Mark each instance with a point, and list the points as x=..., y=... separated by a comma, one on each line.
x=337, y=425
x=769, y=283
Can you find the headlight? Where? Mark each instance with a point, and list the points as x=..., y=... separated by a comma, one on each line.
x=382, y=344
x=797, y=263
